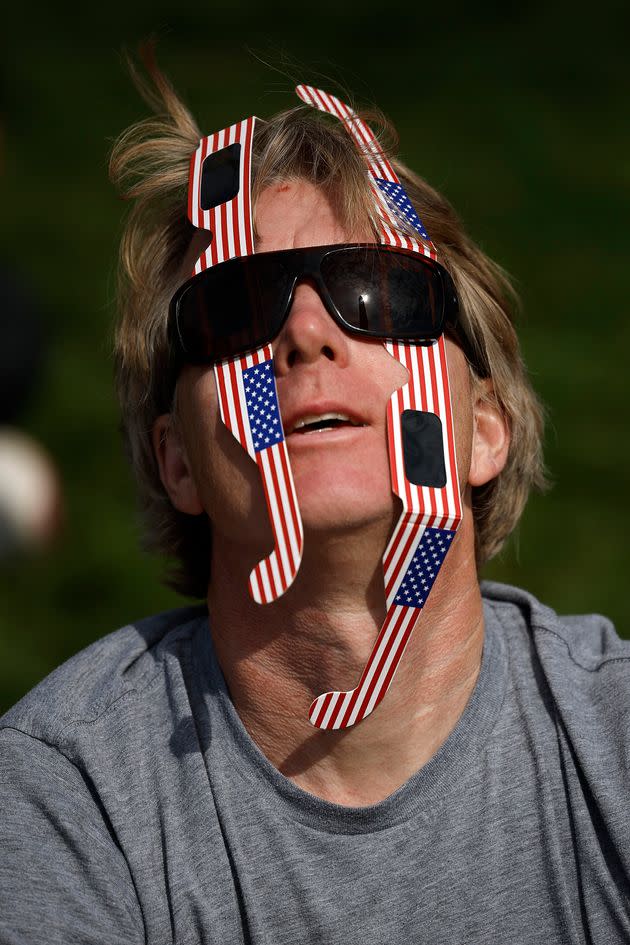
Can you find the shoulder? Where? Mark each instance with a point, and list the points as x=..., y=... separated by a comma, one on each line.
x=580, y=660
x=588, y=641
x=84, y=687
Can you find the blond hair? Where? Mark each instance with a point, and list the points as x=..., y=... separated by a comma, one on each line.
x=150, y=166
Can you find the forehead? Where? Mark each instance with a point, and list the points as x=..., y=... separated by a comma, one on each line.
x=297, y=213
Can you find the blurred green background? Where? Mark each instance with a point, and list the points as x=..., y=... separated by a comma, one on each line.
x=519, y=116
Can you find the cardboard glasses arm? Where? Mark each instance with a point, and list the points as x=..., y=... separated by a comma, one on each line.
x=421, y=446
x=220, y=201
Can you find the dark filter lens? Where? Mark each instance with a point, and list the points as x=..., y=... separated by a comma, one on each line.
x=220, y=176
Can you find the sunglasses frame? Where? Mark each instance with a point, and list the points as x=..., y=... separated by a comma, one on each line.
x=310, y=261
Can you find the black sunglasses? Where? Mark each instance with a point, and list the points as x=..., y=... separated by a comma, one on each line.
x=370, y=290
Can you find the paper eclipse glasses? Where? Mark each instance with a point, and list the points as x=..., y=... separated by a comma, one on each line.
x=232, y=308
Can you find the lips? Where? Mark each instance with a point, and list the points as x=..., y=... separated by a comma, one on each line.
x=313, y=419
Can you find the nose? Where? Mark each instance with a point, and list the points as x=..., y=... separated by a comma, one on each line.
x=309, y=333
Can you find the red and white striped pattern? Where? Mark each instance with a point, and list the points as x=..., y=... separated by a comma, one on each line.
x=335, y=710
x=378, y=165
x=427, y=389
x=272, y=576
x=230, y=223
x=233, y=235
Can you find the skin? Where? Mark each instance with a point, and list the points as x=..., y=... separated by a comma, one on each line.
x=278, y=657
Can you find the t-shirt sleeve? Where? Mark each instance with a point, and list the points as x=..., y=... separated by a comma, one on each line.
x=63, y=877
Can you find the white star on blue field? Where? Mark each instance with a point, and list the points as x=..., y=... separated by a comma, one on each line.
x=424, y=567
x=262, y=406
x=400, y=204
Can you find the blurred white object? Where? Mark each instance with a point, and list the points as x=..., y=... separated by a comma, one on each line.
x=30, y=494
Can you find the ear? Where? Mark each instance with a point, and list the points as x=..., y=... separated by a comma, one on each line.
x=491, y=436
x=174, y=466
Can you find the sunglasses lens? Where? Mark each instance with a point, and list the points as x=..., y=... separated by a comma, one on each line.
x=386, y=294
x=232, y=308
x=240, y=304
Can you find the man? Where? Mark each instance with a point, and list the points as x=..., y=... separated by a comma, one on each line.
x=167, y=784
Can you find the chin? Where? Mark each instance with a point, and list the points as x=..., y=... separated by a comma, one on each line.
x=340, y=508
x=343, y=491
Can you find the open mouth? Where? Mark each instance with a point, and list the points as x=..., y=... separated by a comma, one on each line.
x=323, y=423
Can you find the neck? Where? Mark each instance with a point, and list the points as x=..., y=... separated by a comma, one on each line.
x=277, y=658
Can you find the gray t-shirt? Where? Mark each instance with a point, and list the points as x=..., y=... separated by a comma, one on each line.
x=134, y=807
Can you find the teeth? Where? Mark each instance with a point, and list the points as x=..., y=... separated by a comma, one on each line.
x=315, y=418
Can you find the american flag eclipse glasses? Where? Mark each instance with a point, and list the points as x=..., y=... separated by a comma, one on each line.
x=369, y=290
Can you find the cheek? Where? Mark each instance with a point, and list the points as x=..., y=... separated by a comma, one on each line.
x=227, y=479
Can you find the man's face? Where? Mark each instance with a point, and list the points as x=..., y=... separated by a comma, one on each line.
x=340, y=465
